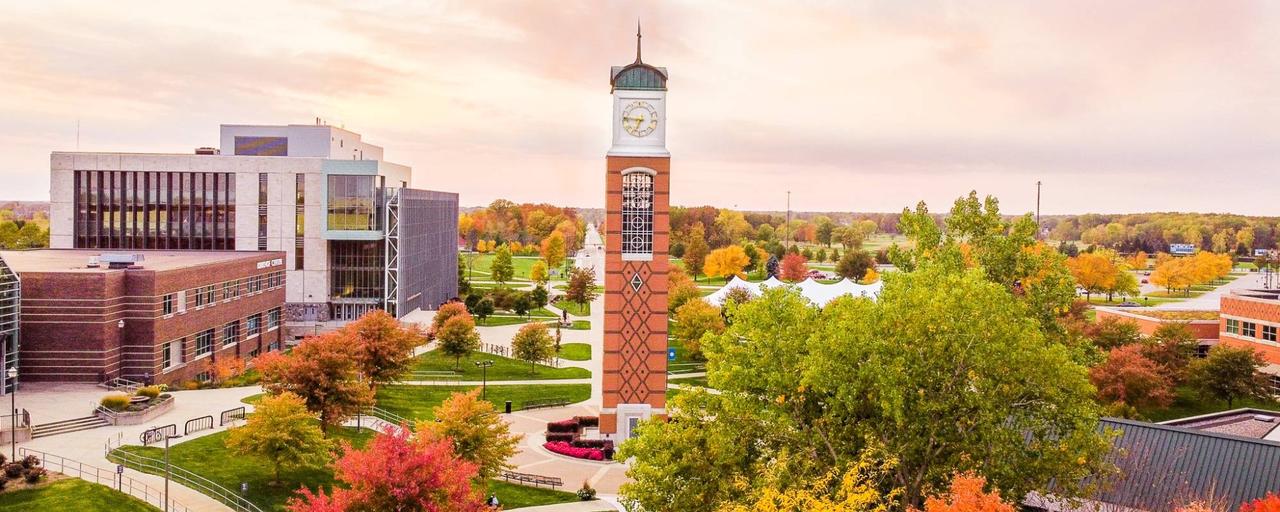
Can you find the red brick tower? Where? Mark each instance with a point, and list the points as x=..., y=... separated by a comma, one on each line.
x=637, y=235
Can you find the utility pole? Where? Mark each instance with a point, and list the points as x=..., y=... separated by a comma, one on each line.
x=786, y=233
x=1038, y=210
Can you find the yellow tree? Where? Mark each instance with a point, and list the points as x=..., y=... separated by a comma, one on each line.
x=282, y=431
x=478, y=434
x=1096, y=272
x=554, y=249
x=1138, y=261
x=1175, y=274
x=726, y=262
x=538, y=273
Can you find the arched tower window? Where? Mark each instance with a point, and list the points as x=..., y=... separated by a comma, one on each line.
x=637, y=212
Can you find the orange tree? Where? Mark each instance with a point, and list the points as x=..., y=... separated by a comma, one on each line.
x=794, y=267
x=324, y=372
x=383, y=346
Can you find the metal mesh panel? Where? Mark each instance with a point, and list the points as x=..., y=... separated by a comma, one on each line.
x=637, y=213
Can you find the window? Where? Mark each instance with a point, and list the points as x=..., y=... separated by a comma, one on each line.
x=208, y=294
x=1274, y=381
x=230, y=289
x=204, y=376
x=171, y=354
x=637, y=213
x=1233, y=326
x=352, y=203
x=182, y=301
x=204, y=342
x=253, y=326
x=255, y=284
x=1249, y=329
x=231, y=333
x=168, y=304
x=204, y=295
x=356, y=269
x=300, y=221
x=273, y=319
x=153, y=210
x=1269, y=333
x=262, y=211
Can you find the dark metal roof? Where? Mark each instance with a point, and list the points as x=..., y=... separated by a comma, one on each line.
x=638, y=75
x=1163, y=466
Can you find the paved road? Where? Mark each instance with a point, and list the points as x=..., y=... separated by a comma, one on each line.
x=1210, y=300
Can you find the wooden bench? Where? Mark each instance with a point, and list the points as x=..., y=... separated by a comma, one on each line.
x=531, y=479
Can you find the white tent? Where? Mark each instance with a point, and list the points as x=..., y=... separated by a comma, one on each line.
x=817, y=293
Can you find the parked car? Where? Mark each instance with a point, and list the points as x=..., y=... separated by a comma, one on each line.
x=1145, y=281
x=817, y=274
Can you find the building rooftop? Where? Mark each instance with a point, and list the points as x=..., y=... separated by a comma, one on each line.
x=77, y=260
x=1258, y=293
x=1250, y=423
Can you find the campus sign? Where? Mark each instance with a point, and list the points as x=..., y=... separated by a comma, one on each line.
x=1182, y=249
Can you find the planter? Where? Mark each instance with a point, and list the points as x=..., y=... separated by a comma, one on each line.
x=160, y=406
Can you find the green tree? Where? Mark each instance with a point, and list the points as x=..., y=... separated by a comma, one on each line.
x=854, y=264
x=282, y=431
x=484, y=308
x=476, y=430
x=825, y=229
x=1228, y=374
x=809, y=390
x=1171, y=347
x=581, y=287
x=695, y=252
x=1111, y=332
x=502, y=269
x=693, y=320
x=532, y=343
x=458, y=338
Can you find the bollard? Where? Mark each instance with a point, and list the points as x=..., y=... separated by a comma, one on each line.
x=508, y=407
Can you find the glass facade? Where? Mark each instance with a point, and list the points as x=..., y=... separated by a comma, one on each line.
x=262, y=211
x=354, y=202
x=10, y=303
x=300, y=221
x=154, y=210
x=356, y=269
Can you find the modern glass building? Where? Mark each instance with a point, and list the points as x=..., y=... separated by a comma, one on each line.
x=10, y=304
x=355, y=235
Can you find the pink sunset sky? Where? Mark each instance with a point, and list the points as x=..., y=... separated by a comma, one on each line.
x=866, y=106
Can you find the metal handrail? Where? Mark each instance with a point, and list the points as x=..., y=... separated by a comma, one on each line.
x=97, y=475
x=190, y=479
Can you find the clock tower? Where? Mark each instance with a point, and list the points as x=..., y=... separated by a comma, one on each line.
x=637, y=235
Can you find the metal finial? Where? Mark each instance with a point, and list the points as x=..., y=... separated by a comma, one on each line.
x=637, y=40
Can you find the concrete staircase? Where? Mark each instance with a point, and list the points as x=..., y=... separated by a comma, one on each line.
x=65, y=426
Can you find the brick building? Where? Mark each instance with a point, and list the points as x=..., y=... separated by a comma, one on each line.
x=1251, y=318
x=91, y=316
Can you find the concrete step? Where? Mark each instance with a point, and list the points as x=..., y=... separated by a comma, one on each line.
x=65, y=426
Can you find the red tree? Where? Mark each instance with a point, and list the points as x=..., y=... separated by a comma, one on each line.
x=323, y=371
x=966, y=495
x=383, y=346
x=794, y=267
x=397, y=471
x=1128, y=376
x=1271, y=503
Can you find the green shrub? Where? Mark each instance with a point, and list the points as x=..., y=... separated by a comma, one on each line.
x=191, y=385
x=150, y=391
x=116, y=401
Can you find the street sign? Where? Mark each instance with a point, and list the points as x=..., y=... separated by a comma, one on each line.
x=671, y=354
x=119, y=469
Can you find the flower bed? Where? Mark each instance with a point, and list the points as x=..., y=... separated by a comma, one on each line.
x=567, y=449
x=563, y=437
x=570, y=425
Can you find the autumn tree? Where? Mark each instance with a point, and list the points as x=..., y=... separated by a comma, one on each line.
x=1268, y=503
x=1110, y=332
x=1138, y=260
x=695, y=252
x=538, y=273
x=384, y=346
x=1171, y=347
x=694, y=319
x=680, y=289
x=553, y=249
x=726, y=262
x=854, y=264
x=447, y=311
x=581, y=287
x=1229, y=374
x=532, y=343
x=324, y=371
x=397, y=471
x=1129, y=377
x=282, y=431
x=967, y=493
x=794, y=267
x=1096, y=272
x=502, y=269
x=458, y=338
x=478, y=434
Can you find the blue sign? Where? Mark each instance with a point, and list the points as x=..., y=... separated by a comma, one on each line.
x=671, y=354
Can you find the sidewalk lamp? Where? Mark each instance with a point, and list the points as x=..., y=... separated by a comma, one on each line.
x=12, y=373
x=484, y=377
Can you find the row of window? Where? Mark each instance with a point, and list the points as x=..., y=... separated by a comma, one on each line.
x=172, y=354
x=176, y=302
x=1249, y=329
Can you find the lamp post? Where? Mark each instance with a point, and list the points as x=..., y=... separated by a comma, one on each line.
x=12, y=373
x=484, y=377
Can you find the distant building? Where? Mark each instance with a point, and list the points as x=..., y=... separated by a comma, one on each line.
x=89, y=315
x=355, y=237
x=1203, y=324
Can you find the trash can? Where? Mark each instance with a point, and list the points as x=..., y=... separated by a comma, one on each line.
x=508, y=407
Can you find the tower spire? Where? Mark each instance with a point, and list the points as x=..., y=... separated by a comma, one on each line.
x=637, y=40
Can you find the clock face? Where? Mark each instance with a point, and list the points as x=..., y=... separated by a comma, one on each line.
x=639, y=118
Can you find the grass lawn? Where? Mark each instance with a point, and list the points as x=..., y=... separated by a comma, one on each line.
x=575, y=309
x=691, y=381
x=208, y=456
x=416, y=402
x=1101, y=300
x=481, y=269
x=72, y=494
x=1189, y=403
x=580, y=325
x=503, y=368
x=575, y=351
x=498, y=321
x=253, y=399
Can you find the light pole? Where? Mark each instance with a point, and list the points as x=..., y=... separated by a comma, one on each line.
x=12, y=373
x=484, y=377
